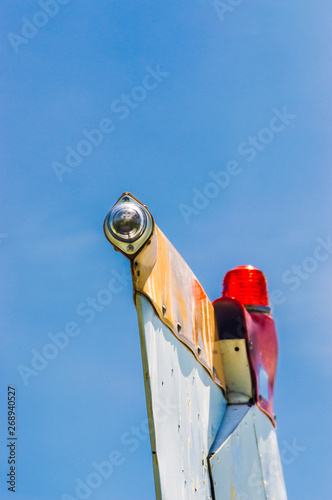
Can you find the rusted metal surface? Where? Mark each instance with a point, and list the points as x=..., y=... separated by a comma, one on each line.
x=161, y=274
x=185, y=409
x=244, y=459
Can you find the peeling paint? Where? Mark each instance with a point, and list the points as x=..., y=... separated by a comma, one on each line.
x=179, y=299
x=233, y=489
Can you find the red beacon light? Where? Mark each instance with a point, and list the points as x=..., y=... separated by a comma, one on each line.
x=247, y=285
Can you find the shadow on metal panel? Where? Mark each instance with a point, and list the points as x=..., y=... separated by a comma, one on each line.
x=244, y=460
x=185, y=409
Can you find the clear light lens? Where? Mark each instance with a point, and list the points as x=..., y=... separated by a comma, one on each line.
x=127, y=222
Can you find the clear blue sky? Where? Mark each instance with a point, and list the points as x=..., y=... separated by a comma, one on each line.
x=222, y=81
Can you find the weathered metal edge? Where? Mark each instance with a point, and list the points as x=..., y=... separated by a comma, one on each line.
x=182, y=339
x=148, y=394
x=144, y=276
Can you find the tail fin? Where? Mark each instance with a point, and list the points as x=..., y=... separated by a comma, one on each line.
x=209, y=373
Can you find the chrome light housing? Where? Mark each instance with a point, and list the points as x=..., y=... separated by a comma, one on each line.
x=128, y=225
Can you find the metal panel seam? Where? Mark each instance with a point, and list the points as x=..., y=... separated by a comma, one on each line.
x=182, y=340
x=259, y=455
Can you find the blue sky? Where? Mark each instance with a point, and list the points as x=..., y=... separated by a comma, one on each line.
x=224, y=77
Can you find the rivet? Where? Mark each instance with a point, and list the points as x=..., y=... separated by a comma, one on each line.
x=126, y=198
x=199, y=350
x=130, y=248
x=164, y=310
x=178, y=326
x=179, y=426
x=251, y=345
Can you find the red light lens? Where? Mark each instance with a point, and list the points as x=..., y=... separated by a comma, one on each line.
x=246, y=284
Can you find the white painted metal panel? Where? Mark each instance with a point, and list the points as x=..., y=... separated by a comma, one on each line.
x=245, y=462
x=270, y=458
x=185, y=409
x=235, y=466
